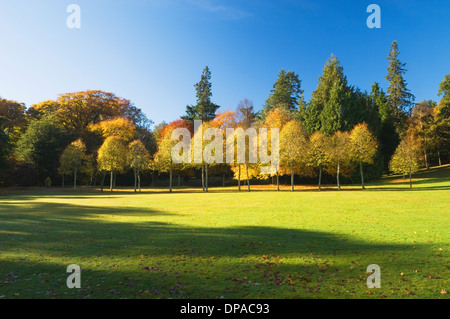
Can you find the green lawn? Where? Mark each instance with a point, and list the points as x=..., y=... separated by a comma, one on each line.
x=263, y=244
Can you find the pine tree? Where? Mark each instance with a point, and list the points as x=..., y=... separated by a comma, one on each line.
x=205, y=109
x=399, y=97
x=328, y=97
x=286, y=93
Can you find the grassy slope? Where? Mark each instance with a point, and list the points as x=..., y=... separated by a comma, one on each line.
x=230, y=245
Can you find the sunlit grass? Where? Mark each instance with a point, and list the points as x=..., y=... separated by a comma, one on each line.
x=229, y=244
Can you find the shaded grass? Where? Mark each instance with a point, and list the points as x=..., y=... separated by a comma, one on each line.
x=229, y=244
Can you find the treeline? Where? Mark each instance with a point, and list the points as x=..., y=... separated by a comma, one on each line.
x=341, y=131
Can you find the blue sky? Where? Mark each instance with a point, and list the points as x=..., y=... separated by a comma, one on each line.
x=153, y=52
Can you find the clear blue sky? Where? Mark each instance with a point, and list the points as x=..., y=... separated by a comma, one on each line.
x=153, y=52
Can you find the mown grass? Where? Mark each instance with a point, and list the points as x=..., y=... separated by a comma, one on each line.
x=225, y=244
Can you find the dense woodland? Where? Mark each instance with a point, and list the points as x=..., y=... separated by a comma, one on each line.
x=95, y=138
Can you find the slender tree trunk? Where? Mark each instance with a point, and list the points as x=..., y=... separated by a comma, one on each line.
x=248, y=179
x=439, y=158
x=139, y=180
x=278, y=181
x=410, y=179
x=206, y=177
x=239, y=178
x=337, y=175
x=75, y=179
x=153, y=178
x=292, y=176
x=170, y=178
x=103, y=181
x=362, y=175
x=135, y=180
x=320, y=177
x=203, y=177
x=426, y=160
x=111, y=181
x=62, y=180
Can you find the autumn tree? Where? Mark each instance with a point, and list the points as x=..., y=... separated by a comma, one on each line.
x=139, y=160
x=293, y=148
x=163, y=158
x=422, y=122
x=245, y=113
x=363, y=147
x=277, y=118
x=78, y=110
x=112, y=157
x=338, y=152
x=17, y=122
x=120, y=127
x=406, y=159
x=73, y=159
x=317, y=153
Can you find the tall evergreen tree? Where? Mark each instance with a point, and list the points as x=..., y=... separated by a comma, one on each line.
x=286, y=93
x=205, y=109
x=387, y=134
x=399, y=97
x=328, y=95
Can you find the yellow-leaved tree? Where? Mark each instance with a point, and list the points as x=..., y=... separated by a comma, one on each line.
x=73, y=159
x=112, y=157
x=120, y=127
x=339, y=156
x=363, y=147
x=293, y=149
x=406, y=159
x=139, y=160
x=317, y=153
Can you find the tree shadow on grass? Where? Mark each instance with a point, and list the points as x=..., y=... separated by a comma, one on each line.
x=150, y=258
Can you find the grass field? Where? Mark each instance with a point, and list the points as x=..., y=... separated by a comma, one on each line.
x=225, y=244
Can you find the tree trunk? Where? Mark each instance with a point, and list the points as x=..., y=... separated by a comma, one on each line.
x=337, y=176
x=103, y=181
x=170, y=178
x=362, y=176
x=203, y=177
x=426, y=160
x=410, y=179
x=439, y=158
x=75, y=179
x=278, y=181
x=139, y=180
x=292, y=176
x=223, y=180
x=248, y=179
x=239, y=178
x=320, y=177
x=206, y=177
x=111, y=181
x=62, y=180
x=153, y=178
x=135, y=180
